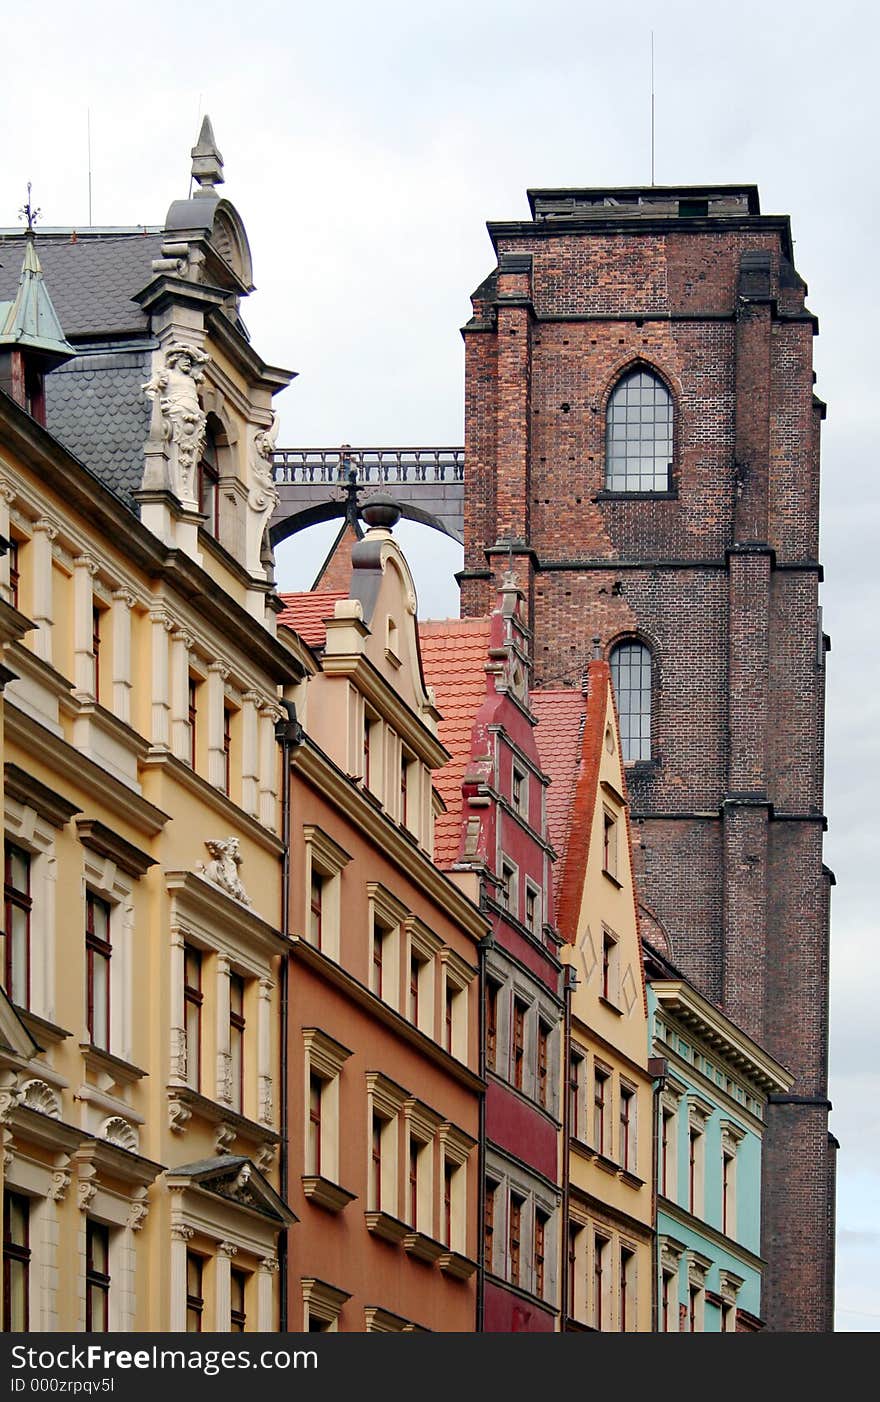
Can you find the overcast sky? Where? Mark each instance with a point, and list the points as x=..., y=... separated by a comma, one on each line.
x=366, y=145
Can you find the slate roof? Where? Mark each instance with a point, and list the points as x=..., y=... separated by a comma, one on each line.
x=454, y=656
x=91, y=281
x=305, y=613
x=561, y=715
x=95, y=406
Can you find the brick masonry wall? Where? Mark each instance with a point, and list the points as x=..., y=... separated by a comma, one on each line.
x=739, y=670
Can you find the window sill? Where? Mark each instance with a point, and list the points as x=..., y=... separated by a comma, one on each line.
x=122, y=1071
x=606, y=494
x=612, y=1007
x=422, y=1248
x=459, y=1267
x=612, y=878
x=41, y=1027
x=323, y=1192
x=388, y=1228
x=626, y=1175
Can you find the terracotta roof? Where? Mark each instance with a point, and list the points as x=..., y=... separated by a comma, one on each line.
x=560, y=715
x=305, y=613
x=454, y=657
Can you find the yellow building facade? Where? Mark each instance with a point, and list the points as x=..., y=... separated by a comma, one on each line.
x=607, y=1128
x=140, y=1100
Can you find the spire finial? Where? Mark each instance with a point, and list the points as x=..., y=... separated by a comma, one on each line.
x=207, y=163
x=28, y=213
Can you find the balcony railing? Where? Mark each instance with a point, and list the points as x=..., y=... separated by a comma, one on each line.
x=332, y=466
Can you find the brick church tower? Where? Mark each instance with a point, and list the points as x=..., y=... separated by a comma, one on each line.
x=643, y=435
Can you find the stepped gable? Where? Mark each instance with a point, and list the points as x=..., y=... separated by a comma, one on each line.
x=454, y=655
x=306, y=612
x=560, y=714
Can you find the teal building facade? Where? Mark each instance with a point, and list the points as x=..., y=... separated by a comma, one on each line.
x=711, y=1089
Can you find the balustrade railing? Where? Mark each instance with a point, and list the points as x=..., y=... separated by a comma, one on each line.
x=306, y=467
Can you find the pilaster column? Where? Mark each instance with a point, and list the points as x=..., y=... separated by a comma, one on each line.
x=217, y=675
x=224, y=1059
x=264, y=1050
x=123, y=603
x=84, y=571
x=250, y=753
x=180, y=1236
x=267, y=1269
x=181, y=732
x=162, y=625
x=41, y=546
x=223, y=1286
x=178, y=1050
x=268, y=765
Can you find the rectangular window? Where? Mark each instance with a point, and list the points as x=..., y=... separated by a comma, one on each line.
x=694, y=1152
x=667, y=1303
x=316, y=907
x=415, y=969
x=518, y=1042
x=626, y=1301
x=609, y=844
x=17, y=924
x=449, y=1171
x=573, y=1235
x=508, y=891
x=543, y=1064
x=238, y=1297
x=514, y=1237
x=192, y=717
x=192, y=1004
x=380, y=936
x=16, y=1262
x=519, y=791
x=610, y=968
x=489, y=1226
x=195, y=1299
x=540, y=1242
x=413, y=1181
x=449, y=1018
x=227, y=750
x=313, y=1156
x=728, y=1169
x=533, y=910
x=376, y=1162
x=14, y=574
x=96, y=651
x=600, y=1108
x=626, y=1148
x=236, y=1039
x=97, y=1277
x=369, y=731
x=492, y=991
x=667, y=1129
x=575, y=1081
x=98, y=952
x=600, y=1248
x=693, y=1308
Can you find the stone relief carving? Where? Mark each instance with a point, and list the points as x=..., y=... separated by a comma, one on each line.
x=178, y=418
x=264, y=493
x=222, y=870
x=37, y=1095
x=60, y=1185
x=265, y=1158
x=85, y=1195
x=224, y=1138
x=178, y=1114
x=178, y=1053
x=137, y=1212
x=118, y=1131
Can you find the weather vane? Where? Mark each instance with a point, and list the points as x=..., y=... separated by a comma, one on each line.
x=31, y=215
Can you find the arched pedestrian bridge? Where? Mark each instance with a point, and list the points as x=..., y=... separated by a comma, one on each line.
x=318, y=484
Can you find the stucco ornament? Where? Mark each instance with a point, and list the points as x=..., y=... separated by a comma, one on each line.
x=178, y=417
x=222, y=870
x=264, y=493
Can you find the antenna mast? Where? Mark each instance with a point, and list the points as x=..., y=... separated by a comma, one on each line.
x=652, y=107
x=89, y=149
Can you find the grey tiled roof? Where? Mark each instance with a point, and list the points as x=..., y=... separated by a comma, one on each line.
x=91, y=282
x=96, y=407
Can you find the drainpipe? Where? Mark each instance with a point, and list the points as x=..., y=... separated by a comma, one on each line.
x=657, y=1067
x=568, y=985
x=483, y=947
x=289, y=735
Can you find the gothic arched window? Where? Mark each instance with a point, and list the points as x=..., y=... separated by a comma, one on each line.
x=632, y=679
x=638, y=435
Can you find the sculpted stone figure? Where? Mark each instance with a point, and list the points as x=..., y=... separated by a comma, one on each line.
x=174, y=391
x=223, y=868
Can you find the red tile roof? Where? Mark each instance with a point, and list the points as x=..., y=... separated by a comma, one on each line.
x=560, y=715
x=454, y=657
x=306, y=613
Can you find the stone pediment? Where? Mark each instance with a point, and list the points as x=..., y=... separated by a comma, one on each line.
x=237, y=1180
